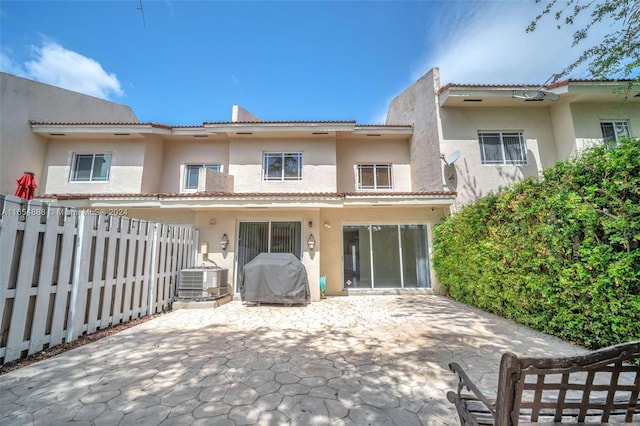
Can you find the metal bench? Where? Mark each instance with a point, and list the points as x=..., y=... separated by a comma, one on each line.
x=600, y=387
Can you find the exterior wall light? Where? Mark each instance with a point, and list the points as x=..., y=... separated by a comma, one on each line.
x=311, y=242
x=224, y=242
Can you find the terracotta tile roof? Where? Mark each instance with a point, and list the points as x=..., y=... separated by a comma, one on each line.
x=284, y=122
x=486, y=86
x=535, y=86
x=385, y=125
x=163, y=195
x=398, y=194
x=208, y=123
x=59, y=123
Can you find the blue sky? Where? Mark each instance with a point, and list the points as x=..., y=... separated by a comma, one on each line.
x=190, y=61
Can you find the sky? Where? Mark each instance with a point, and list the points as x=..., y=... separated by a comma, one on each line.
x=187, y=62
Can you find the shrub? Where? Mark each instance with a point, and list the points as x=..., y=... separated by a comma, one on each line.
x=560, y=254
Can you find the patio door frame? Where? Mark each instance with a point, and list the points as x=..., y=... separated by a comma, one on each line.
x=400, y=254
x=269, y=222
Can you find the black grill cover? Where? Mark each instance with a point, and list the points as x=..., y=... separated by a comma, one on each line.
x=274, y=278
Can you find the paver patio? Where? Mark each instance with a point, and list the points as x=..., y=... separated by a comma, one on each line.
x=357, y=360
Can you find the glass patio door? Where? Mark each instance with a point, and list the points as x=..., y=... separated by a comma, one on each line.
x=266, y=237
x=385, y=256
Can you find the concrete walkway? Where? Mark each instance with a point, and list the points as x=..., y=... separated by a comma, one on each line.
x=357, y=360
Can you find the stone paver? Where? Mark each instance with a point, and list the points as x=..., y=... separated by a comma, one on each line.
x=356, y=360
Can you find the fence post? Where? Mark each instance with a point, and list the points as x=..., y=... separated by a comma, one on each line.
x=15, y=339
x=45, y=279
x=195, y=247
x=80, y=270
x=8, y=231
x=153, y=268
x=64, y=286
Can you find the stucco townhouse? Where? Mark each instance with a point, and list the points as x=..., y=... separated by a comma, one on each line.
x=355, y=202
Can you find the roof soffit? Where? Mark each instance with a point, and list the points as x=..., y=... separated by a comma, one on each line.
x=570, y=91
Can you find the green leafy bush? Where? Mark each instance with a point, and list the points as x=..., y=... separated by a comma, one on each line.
x=560, y=254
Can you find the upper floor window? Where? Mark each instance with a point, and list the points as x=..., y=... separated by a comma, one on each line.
x=192, y=171
x=374, y=176
x=280, y=166
x=91, y=167
x=502, y=148
x=612, y=131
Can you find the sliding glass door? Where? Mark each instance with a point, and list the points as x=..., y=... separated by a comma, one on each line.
x=385, y=256
x=267, y=237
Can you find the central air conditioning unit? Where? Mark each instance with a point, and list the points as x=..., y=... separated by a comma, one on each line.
x=202, y=283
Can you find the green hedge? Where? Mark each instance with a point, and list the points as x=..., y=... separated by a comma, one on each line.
x=560, y=254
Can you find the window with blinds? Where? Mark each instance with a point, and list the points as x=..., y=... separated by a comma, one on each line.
x=502, y=148
x=612, y=131
x=267, y=237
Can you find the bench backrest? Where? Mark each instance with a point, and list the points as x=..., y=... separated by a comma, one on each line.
x=600, y=386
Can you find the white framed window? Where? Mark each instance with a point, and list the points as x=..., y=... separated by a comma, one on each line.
x=192, y=171
x=502, y=147
x=613, y=131
x=281, y=166
x=374, y=176
x=91, y=167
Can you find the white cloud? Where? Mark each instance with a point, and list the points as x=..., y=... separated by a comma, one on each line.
x=51, y=63
x=487, y=43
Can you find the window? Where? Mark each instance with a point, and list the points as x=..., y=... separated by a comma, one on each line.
x=91, y=168
x=502, y=148
x=266, y=237
x=385, y=256
x=278, y=166
x=612, y=131
x=191, y=172
x=374, y=176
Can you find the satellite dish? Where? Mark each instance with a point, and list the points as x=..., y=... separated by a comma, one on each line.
x=451, y=158
x=541, y=94
x=549, y=95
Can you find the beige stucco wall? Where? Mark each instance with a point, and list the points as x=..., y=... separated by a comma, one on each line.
x=212, y=181
x=22, y=100
x=418, y=105
x=318, y=159
x=352, y=152
x=152, y=172
x=588, y=116
x=330, y=239
x=563, y=130
x=239, y=114
x=127, y=160
x=327, y=257
x=178, y=153
x=213, y=224
x=472, y=179
x=169, y=216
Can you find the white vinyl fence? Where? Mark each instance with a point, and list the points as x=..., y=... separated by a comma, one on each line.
x=67, y=272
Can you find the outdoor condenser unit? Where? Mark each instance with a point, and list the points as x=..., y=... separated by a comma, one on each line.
x=199, y=283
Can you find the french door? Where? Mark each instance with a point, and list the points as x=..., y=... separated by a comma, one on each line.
x=266, y=237
x=385, y=256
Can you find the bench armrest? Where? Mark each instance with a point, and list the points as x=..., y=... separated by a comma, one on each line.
x=460, y=400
